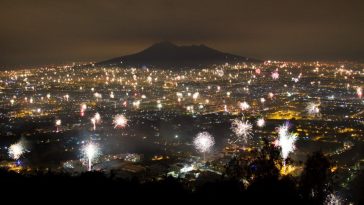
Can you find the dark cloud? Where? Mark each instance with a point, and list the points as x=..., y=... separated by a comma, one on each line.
x=42, y=31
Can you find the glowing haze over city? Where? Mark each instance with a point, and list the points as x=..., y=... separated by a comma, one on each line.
x=238, y=99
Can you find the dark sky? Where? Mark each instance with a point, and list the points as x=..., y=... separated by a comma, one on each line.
x=46, y=31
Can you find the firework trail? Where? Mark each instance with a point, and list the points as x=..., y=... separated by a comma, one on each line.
x=83, y=109
x=359, y=92
x=58, y=124
x=96, y=120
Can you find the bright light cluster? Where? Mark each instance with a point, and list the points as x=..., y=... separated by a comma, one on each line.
x=15, y=151
x=286, y=141
x=313, y=108
x=120, y=121
x=90, y=151
x=242, y=129
x=203, y=142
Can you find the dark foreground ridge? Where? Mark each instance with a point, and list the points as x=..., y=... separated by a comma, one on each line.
x=169, y=55
x=256, y=182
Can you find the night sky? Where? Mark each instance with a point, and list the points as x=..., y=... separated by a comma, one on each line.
x=36, y=32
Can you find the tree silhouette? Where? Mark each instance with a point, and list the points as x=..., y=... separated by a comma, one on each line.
x=356, y=189
x=315, y=181
x=236, y=168
x=265, y=164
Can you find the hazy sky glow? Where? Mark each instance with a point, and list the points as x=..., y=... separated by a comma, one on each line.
x=43, y=31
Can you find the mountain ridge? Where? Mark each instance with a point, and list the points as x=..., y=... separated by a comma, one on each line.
x=167, y=54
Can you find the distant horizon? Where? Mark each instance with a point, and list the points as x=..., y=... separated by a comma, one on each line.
x=19, y=66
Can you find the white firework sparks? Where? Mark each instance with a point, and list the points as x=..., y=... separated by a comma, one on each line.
x=83, y=107
x=15, y=151
x=97, y=117
x=242, y=129
x=58, y=122
x=96, y=120
x=275, y=75
x=244, y=106
x=136, y=103
x=90, y=151
x=195, y=95
x=120, y=121
x=220, y=73
x=260, y=122
x=149, y=79
x=97, y=96
x=359, y=91
x=66, y=97
x=333, y=199
x=159, y=105
x=179, y=94
x=203, y=142
x=313, y=108
x=93, y=121
x=286, y=141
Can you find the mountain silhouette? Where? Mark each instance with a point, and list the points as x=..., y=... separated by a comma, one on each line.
x=167, y=54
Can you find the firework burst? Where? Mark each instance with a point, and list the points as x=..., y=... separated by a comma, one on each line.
x=120, y=121
x=260, y=122
x=58, y=124
x=66, y=97
x=313, y=108
x=286, y=141
x=15, y=151
x=242, y=129
x=195, y=95
x=244, y=106
x=203, y=142
x=96, y=120
x=333, y=199
x=97, y=117
x=359, y=91
x=83, y=107
x=90, y=152
x=275, y=75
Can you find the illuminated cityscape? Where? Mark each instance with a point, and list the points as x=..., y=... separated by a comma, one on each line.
x=165, y=109
x=185, y=119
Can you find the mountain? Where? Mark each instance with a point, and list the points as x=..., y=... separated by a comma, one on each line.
x=166, y=54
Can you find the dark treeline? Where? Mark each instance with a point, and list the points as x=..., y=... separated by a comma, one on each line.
x=256, y=182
